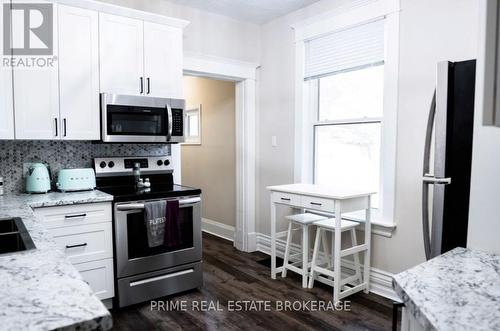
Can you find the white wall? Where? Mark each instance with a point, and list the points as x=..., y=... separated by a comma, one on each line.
x=484, y=213
x=430, y=31
x=207, y=34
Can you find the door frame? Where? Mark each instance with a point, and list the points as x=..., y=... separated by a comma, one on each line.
x=244, y=75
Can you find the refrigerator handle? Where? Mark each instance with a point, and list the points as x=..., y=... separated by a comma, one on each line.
x=425, y=183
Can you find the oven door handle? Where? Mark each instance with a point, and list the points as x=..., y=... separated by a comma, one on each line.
x=135, y=206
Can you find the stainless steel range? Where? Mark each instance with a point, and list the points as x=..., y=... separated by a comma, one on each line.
x=144, y=272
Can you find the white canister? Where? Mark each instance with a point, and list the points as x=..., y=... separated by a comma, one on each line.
x=1, y=185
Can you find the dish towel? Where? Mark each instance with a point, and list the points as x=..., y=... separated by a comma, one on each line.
x=154, y=217
x=173, y=227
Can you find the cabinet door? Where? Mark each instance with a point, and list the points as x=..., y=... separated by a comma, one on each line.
x=163, y=60
x=79, y=73
x=121, y=55
x=36, y=95
x=6, y=106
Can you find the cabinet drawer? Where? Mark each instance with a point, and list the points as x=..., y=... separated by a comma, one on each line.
x=85, y=243
x=285, y=198
x=99, y=276
x=318, y=203
x=61, y=216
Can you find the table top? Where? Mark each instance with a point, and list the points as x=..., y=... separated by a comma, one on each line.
x=323, y=191
x=459, y=290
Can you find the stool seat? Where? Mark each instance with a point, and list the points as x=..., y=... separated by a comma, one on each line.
x=330, y=224
x=305, y=218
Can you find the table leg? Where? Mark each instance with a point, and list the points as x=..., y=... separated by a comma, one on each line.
x=273, y=240
x=336, y=259
x=368, y=235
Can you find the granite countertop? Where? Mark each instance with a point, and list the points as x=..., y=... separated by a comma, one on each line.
x=459, y=290
x=40, y=289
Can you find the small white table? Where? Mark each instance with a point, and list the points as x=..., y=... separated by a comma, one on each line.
x=330, y=200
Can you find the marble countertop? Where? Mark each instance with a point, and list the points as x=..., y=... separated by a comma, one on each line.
x=459, y=290
x=40, y=289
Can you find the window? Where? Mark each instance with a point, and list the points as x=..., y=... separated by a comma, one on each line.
x=345, y=72
x=193, y=126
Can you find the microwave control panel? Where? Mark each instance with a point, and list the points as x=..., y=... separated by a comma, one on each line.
x=177, y=122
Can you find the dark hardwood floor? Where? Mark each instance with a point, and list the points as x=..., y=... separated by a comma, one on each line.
x=230, y=275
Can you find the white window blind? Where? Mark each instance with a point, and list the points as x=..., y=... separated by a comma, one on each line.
x=345, y=50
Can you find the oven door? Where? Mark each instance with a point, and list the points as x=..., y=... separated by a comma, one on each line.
x=138, y=119
x=133, y=254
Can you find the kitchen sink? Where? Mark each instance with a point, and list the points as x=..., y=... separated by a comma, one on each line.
x=13, y=236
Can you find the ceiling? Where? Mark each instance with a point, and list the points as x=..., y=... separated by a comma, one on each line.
x=255, y=11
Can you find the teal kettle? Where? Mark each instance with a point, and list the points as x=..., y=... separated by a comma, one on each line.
x=38, y=179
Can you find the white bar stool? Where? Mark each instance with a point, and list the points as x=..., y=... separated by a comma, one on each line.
x=301, y=266
x=329, y=225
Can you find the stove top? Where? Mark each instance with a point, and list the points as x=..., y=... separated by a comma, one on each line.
x=115, y=176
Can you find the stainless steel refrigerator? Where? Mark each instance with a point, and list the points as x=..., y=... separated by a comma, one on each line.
x=451, y=117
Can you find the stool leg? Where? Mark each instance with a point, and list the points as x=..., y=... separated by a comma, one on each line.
x=357, y=267
x=314, y=258
x=305, y=254
x=287, y=249
x=336, y=258
x=325, y=249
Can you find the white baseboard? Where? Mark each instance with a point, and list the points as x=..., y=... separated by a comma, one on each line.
x=218, y=229
x=380, y=280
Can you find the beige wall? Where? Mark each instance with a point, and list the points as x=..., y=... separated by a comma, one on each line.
x=211, y=166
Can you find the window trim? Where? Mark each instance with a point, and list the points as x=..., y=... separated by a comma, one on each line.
x=192, y=140
x=304, y=119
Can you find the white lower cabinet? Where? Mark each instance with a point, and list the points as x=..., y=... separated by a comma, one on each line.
x=86, y=242
x=84, y=233
x=99, y=276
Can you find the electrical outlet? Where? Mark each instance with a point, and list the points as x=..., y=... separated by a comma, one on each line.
x=274, y=141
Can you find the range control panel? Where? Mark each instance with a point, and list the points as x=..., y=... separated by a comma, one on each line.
x=124, y=165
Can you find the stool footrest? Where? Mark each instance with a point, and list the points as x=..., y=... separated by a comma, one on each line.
x=349, y=279
x=353, y=250
x=352, y=290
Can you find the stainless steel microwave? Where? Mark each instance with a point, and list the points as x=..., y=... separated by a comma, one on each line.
x=140, y=119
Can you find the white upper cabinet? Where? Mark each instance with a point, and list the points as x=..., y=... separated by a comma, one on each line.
x=121, y=55
x=163, y=60
x=6, y=107
x=36, y=96
x=79, y=73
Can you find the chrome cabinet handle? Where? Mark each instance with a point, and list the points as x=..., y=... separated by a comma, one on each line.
x=55, y=121
x=430, y=179
x=142, y=85
x=64, y=125
x=75, y=216
x=78, y=245
x=149, y=85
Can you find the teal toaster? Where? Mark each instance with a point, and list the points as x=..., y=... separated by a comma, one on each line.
x=69, y=180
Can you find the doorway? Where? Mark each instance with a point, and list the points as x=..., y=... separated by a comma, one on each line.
x=208, y=157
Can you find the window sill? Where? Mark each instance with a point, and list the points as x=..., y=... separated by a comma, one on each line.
x=380, y=228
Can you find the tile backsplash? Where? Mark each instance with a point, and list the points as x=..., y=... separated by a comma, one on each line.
x=62, y=154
